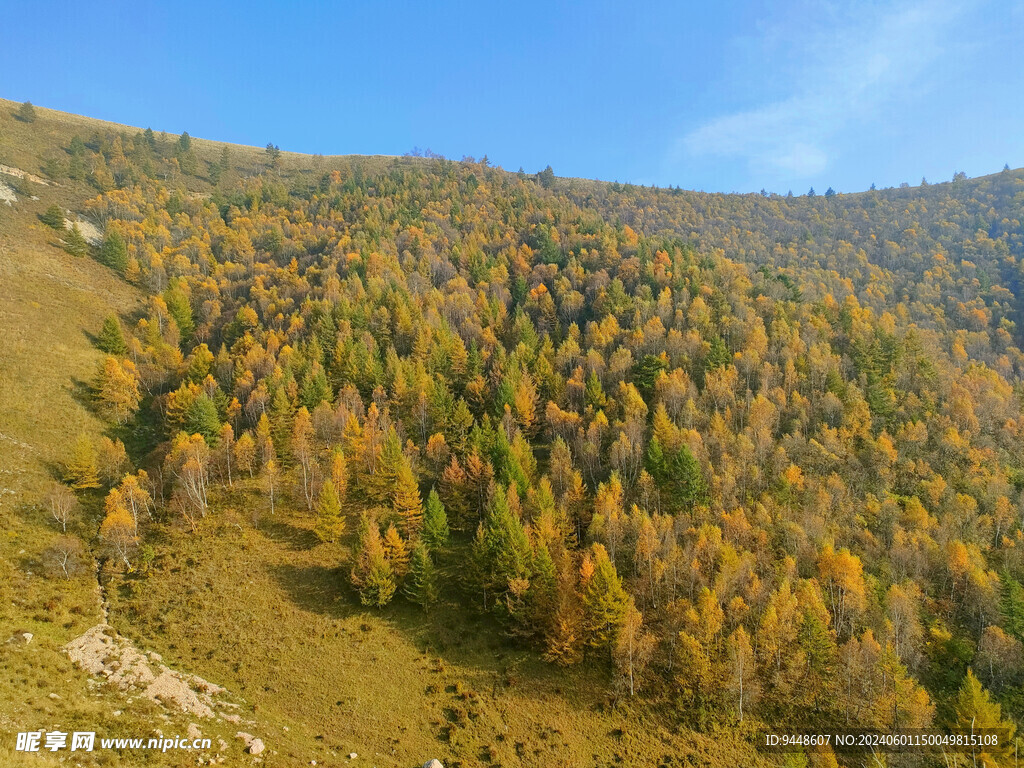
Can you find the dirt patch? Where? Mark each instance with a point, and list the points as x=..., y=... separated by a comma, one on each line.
x=101, y=651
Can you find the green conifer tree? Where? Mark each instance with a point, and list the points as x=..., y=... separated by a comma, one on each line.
x=202, y=418
x=435, y=522
x=114, y=252
x=422, y=583
x=75, y=243
x=111, y=338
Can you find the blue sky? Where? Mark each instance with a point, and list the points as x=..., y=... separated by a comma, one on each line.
x=716, y=96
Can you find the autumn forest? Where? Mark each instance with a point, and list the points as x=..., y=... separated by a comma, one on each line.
x=754, y=458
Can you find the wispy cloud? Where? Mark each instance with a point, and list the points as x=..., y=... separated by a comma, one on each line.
x=854, y=63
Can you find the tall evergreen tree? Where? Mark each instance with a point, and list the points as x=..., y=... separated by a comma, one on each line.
x=435, y=522
x=111, y=338
x=422, y=583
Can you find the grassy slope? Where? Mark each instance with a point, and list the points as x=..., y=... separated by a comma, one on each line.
x=262, y=611
x=267, y=612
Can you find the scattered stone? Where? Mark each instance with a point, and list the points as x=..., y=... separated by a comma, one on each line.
x=155, y=657
x=117, y=713
x=256, y=747
x=54, y=696
x=435, y=763
x=193, y=731
x=231, y=718
x=27, y=637
x=222, y=745
x=352, y=755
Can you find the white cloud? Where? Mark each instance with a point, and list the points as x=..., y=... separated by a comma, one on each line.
x=853, y=65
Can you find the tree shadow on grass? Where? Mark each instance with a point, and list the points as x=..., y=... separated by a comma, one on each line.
x=298, y=539
x=318, y=589
x=83, y=393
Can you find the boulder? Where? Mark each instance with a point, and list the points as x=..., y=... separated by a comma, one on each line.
x=435, y=763
x=256, y=747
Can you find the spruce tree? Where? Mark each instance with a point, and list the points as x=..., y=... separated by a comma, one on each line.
x=330, y=522
x=54, y=217
x=422, y=583
x=114, y=252
x=201, y=418
x=435, y=522
x=27, y=112
x=111, y=338
x=75, y=243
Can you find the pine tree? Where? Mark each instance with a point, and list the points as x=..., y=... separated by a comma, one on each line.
x=330, y=522
x=111, y=338
x=80, y=472
x=75, y=243
x=54, y=217
x=1012, y=606
x=113, y=252
x=435, y=522
x=506, y=552
x=422, y=583
x=201, y=418
x=406, y=500
x=27, y=112
x=281, y=421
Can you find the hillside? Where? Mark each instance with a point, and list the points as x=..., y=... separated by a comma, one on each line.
x=420, y=458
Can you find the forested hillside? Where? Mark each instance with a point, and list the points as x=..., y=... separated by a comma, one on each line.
x=756, y=459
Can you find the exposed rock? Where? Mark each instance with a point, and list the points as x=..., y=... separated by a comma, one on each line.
x=20, y=174
x=27, y=637
x=101, y=651
x=7, y=194
x=193, y=731
x=252, y=745
x=435, y=763
x=89, y=231
x=352, y=755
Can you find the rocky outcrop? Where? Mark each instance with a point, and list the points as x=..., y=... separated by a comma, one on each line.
x=101, y=651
